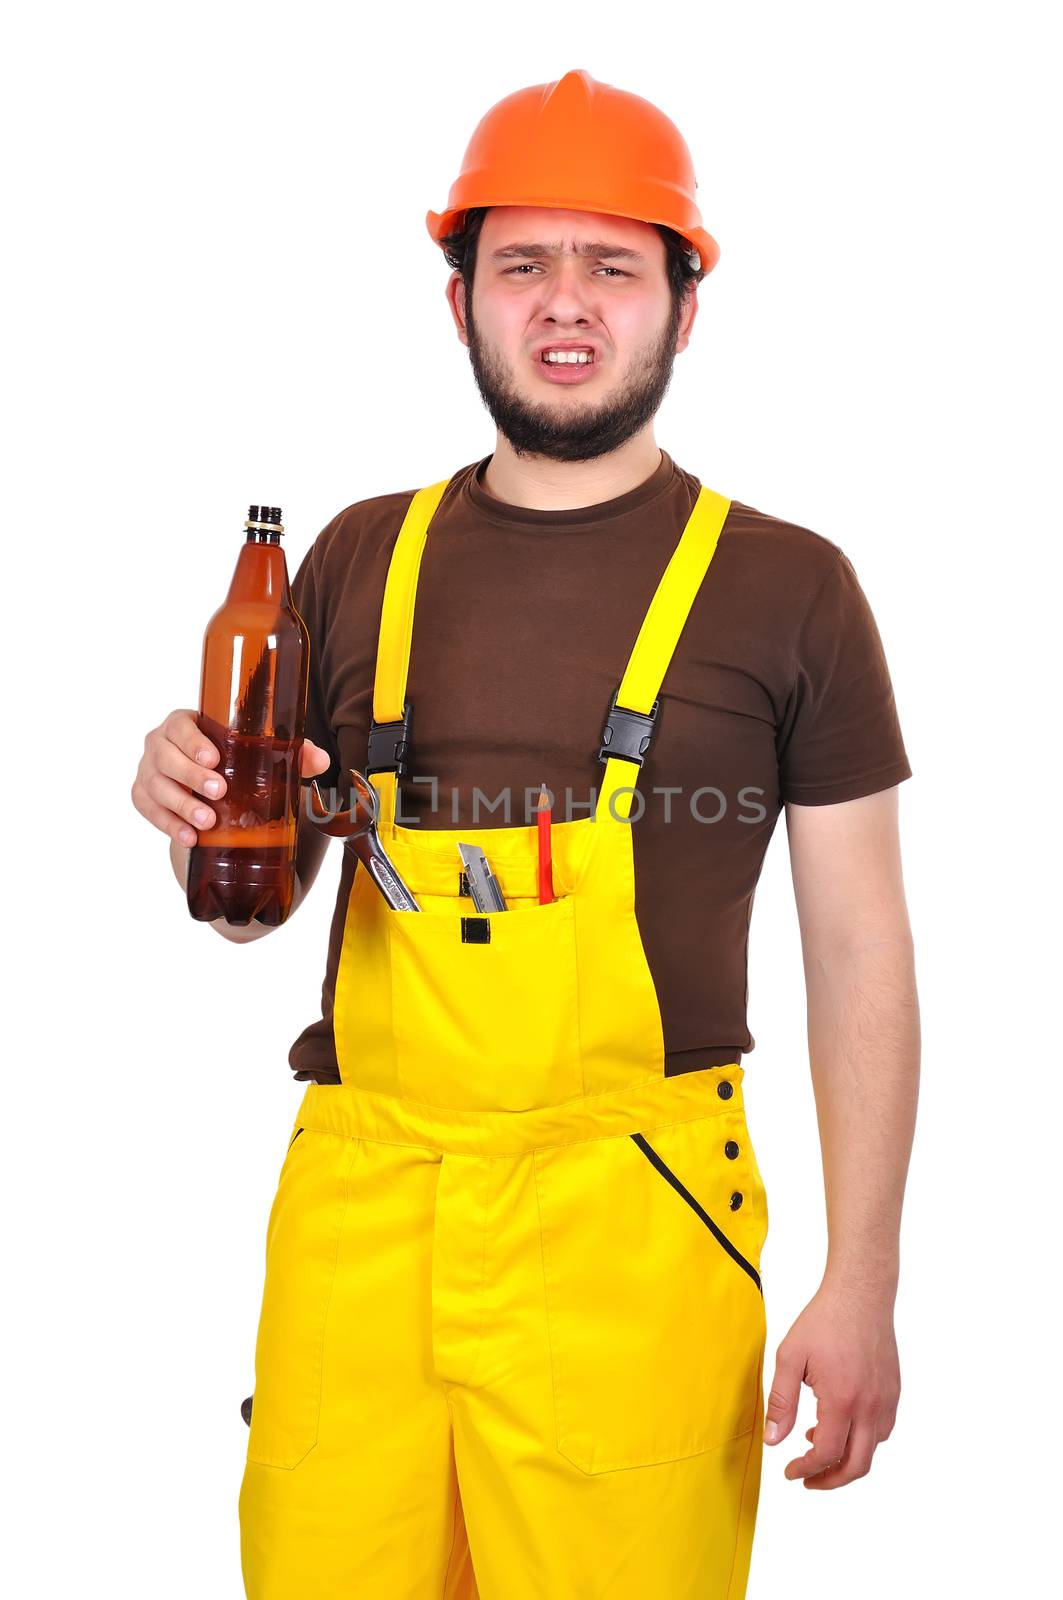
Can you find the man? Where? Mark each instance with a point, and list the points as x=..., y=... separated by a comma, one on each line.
x=512, y=1331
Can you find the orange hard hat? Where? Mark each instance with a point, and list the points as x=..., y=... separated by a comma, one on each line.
x=581, y=146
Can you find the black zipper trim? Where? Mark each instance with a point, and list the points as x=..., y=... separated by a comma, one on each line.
x=295, y=1136
x=666, y=1172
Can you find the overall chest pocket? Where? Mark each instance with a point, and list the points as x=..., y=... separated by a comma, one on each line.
x=495, y=997
x=654, y=1307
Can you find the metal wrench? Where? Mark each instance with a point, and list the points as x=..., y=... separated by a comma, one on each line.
x=357, y=827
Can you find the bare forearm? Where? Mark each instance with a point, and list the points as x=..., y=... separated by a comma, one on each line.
x=863, y=1034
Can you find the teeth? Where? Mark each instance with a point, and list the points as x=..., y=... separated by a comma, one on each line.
x=572, y=357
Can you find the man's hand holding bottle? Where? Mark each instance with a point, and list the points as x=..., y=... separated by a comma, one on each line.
x=174, y=777
x=175, y=784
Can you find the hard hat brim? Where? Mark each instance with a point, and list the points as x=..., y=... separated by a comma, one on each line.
x=440, y=223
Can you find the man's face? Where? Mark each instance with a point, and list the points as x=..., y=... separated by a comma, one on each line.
x=570, y=277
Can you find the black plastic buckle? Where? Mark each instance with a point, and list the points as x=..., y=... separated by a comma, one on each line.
x=627, y=733
x=389, y=744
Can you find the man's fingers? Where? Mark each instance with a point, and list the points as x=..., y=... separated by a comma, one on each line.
x=314, y=759
x=169, y=759
x=780, y=1414
x=165, y=820
x=171, y=784
x=855, y=1462
x=173, y=762
x=184, y=806
x=830, y=1437
x=182, y=729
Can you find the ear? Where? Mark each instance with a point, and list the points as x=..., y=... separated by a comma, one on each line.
x=686, y=321
x=456, y=300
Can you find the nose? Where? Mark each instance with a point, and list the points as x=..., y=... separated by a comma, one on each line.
x=566, y=293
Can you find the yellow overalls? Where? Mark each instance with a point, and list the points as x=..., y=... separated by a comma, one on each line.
x=512, y=1329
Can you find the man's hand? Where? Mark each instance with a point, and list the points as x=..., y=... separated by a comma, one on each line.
x=843, y=1346
x=175, y=775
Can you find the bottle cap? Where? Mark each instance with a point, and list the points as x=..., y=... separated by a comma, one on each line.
x=266, y=517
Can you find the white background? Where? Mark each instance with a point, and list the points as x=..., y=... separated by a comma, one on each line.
x=221, y=289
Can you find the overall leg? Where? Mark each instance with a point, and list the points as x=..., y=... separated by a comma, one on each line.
x=608, y=1438
x=350, y=1486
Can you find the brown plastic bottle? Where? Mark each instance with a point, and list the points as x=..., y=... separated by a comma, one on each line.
x=252, y=706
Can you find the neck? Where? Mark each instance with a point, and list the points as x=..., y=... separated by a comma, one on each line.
x=544, y=485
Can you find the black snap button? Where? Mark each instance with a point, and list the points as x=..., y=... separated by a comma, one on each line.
x=730, y=1149
x=736, y=1200
x=725, y=1088
x=245, y=1409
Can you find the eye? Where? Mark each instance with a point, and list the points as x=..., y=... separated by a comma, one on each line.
x=533, y=266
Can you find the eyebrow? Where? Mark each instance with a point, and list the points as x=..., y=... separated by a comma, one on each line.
x=599, y=249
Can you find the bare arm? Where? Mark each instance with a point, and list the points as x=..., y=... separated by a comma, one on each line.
x=863, y=1035
x=863, y=1023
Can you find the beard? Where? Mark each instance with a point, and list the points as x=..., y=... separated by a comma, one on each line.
x=570, y=432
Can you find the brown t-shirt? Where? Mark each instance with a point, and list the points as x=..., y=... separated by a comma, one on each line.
x=778, y=691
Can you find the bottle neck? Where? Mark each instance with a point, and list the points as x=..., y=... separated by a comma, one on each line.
x=261, y=572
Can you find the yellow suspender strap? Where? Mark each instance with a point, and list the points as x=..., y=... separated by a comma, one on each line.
x=393, y=645
x=396, y=616
x=659, y=635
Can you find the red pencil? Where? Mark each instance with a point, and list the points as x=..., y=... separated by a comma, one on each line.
x=544, y=817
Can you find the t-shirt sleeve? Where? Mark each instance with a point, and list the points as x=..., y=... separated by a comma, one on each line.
x=308, y=597
x=840, y=737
